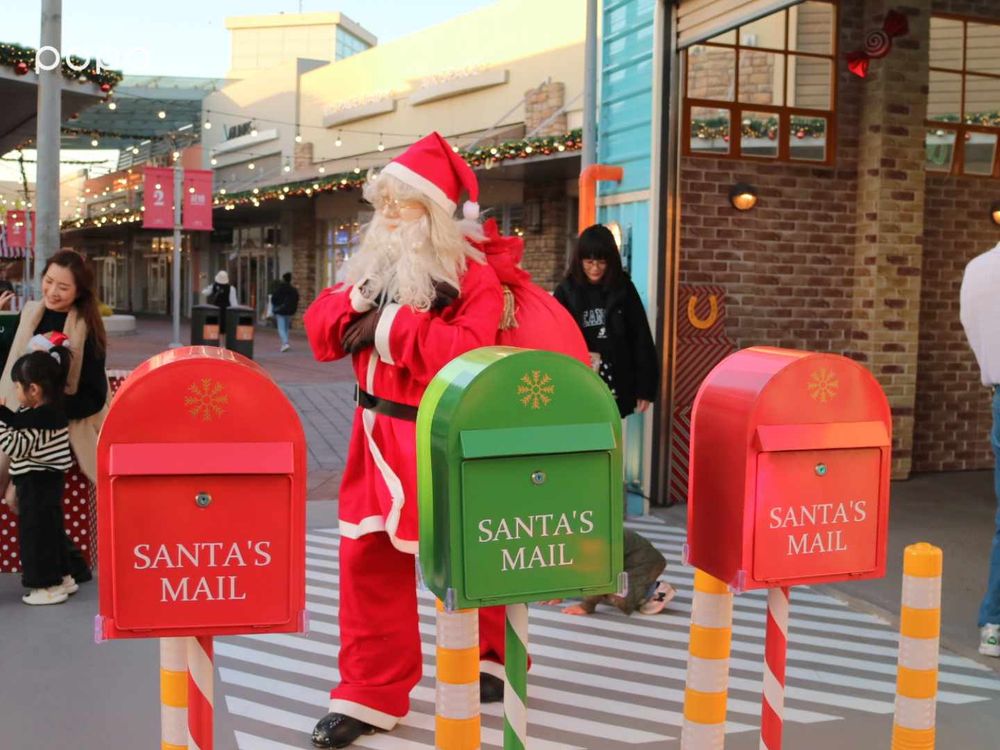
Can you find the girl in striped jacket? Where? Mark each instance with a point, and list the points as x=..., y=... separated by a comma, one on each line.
x=36, y=438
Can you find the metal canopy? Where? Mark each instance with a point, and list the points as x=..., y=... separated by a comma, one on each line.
x=698, y=20
x=19, y=95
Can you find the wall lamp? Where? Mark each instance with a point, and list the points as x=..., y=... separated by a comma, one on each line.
x=995, y=213
x=743, y=196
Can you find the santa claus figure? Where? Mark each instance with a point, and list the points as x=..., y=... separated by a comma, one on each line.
x=416, y=295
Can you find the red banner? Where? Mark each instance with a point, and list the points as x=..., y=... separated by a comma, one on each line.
x=158, y=198
x=17, y=229
x=198, y=199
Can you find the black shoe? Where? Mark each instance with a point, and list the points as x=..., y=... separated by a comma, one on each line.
x=490, y=688
x=339, y=730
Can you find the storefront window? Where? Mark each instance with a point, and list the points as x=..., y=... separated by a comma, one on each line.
x=765, y=90
x=963, y=100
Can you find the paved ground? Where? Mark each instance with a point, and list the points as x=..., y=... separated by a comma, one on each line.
x=606, y=681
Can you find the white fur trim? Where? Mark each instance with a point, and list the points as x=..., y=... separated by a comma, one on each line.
x=360, y=303
x=382, y=331
x=421, y=183
x=367, y=714
x=368, y=525
x=470, y=210
x=391, y=479
x=491, y=667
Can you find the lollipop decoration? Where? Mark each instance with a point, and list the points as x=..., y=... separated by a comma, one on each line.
x=878, y=43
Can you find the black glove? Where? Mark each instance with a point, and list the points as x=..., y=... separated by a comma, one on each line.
x=361, y=333
x=444, y=295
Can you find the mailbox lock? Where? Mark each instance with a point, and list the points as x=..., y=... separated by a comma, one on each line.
x=538, y=477
x=203, y=499
x=821, y=470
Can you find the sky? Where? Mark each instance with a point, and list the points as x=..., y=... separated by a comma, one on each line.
x=189, y=37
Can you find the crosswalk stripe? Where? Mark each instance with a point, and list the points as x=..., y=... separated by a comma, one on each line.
x=591, y=666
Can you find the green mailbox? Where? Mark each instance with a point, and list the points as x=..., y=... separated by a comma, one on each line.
x=520, y=480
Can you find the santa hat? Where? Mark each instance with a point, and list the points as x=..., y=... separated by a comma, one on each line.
x=431, y=166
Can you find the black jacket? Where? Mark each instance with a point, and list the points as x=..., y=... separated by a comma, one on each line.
x=284, y=299
x=633, y=354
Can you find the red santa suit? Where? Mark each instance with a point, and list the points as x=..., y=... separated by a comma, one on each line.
x=380, y=657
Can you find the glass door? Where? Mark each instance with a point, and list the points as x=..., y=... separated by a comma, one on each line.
x=158, y=279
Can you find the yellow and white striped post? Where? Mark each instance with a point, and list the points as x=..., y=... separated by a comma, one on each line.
x=457, y=718
x=173, y=694
x=919, y=636
x=708, y=665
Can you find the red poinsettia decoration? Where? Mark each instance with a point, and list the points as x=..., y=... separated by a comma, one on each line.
x=878, y=43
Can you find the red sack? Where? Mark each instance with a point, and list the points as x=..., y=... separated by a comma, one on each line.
x=537, y=321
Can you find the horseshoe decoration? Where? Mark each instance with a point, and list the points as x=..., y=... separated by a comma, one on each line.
x=713, y=312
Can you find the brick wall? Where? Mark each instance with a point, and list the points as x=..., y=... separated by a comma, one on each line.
x=301, y=227
x=953, y=408
x=545, y=243
x=787, y=265
x=542, y=103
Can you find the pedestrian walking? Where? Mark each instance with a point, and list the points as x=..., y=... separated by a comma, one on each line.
x=284, y=304
x=979, y=310
x=644, y=564
x=221, y=294
x=36, y=439
x=605, y=304
x=68, y=307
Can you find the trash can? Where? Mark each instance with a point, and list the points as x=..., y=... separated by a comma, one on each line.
x=205, y=325
x=239, y=330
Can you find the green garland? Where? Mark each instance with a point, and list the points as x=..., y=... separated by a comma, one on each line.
x=22, y=60
x=718, y=127
x=353, y=180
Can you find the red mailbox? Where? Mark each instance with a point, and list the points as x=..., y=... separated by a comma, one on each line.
x=201, y=501
x=789, y=473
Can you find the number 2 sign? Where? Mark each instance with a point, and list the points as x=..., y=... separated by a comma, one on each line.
x=158, y=198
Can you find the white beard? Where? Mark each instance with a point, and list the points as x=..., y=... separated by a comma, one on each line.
x=400, y=264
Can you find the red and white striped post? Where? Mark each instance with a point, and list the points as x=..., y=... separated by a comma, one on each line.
x=775, y=656
x=201, y=679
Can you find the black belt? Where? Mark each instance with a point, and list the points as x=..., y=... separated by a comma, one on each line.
x=384, y=406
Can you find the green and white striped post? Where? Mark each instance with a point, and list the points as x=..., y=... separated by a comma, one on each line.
x=515, y=693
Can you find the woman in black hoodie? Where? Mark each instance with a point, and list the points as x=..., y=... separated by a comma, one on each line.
x=606, y=306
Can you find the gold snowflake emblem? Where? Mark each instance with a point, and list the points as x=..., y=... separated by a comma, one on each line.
x=206, y=399
x=536, y=389
x=823, y=385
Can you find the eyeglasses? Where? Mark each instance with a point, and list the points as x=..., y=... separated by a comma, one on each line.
x=392, y=206
x=597, y=262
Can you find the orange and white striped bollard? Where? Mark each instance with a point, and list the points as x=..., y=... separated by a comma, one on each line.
x=919, y=637
x=705, y=691
x=201, y=681
x=457, y=710
x=173, y=694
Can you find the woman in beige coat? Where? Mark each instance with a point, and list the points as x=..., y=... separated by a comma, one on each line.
x=69, y=306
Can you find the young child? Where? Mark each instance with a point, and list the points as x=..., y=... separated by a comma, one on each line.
x=643, y=565
x=36, y=438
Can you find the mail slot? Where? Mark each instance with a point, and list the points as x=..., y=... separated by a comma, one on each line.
x=789, y=471
x=520, y=480
x=201, y=501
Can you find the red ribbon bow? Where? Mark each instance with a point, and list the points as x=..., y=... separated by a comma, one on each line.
x=878, y=43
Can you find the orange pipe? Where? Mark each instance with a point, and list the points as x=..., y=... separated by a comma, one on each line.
x=589, y=178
